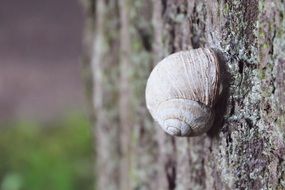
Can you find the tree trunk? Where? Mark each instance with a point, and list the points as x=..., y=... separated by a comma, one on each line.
x=245, y=150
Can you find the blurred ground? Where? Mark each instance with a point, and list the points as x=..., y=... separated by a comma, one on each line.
x=56, y=155
x=40, y=45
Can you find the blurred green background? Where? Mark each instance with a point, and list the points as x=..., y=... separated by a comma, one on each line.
x=45, y=135
x=55, y=155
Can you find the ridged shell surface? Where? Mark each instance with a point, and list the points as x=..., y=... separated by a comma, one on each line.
x=181, y=91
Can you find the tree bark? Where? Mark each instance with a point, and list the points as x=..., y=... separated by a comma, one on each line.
x=245, y=147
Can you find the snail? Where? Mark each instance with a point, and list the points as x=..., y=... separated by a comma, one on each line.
x=182, y=90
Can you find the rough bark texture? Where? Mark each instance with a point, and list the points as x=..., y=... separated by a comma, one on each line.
x=245, y=150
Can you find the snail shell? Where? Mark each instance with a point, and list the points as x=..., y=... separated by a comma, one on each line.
x=182, y=90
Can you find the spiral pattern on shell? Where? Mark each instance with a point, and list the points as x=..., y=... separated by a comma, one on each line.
x=181, y=91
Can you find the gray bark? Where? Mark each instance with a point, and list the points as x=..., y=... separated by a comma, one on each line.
x=245, y=147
